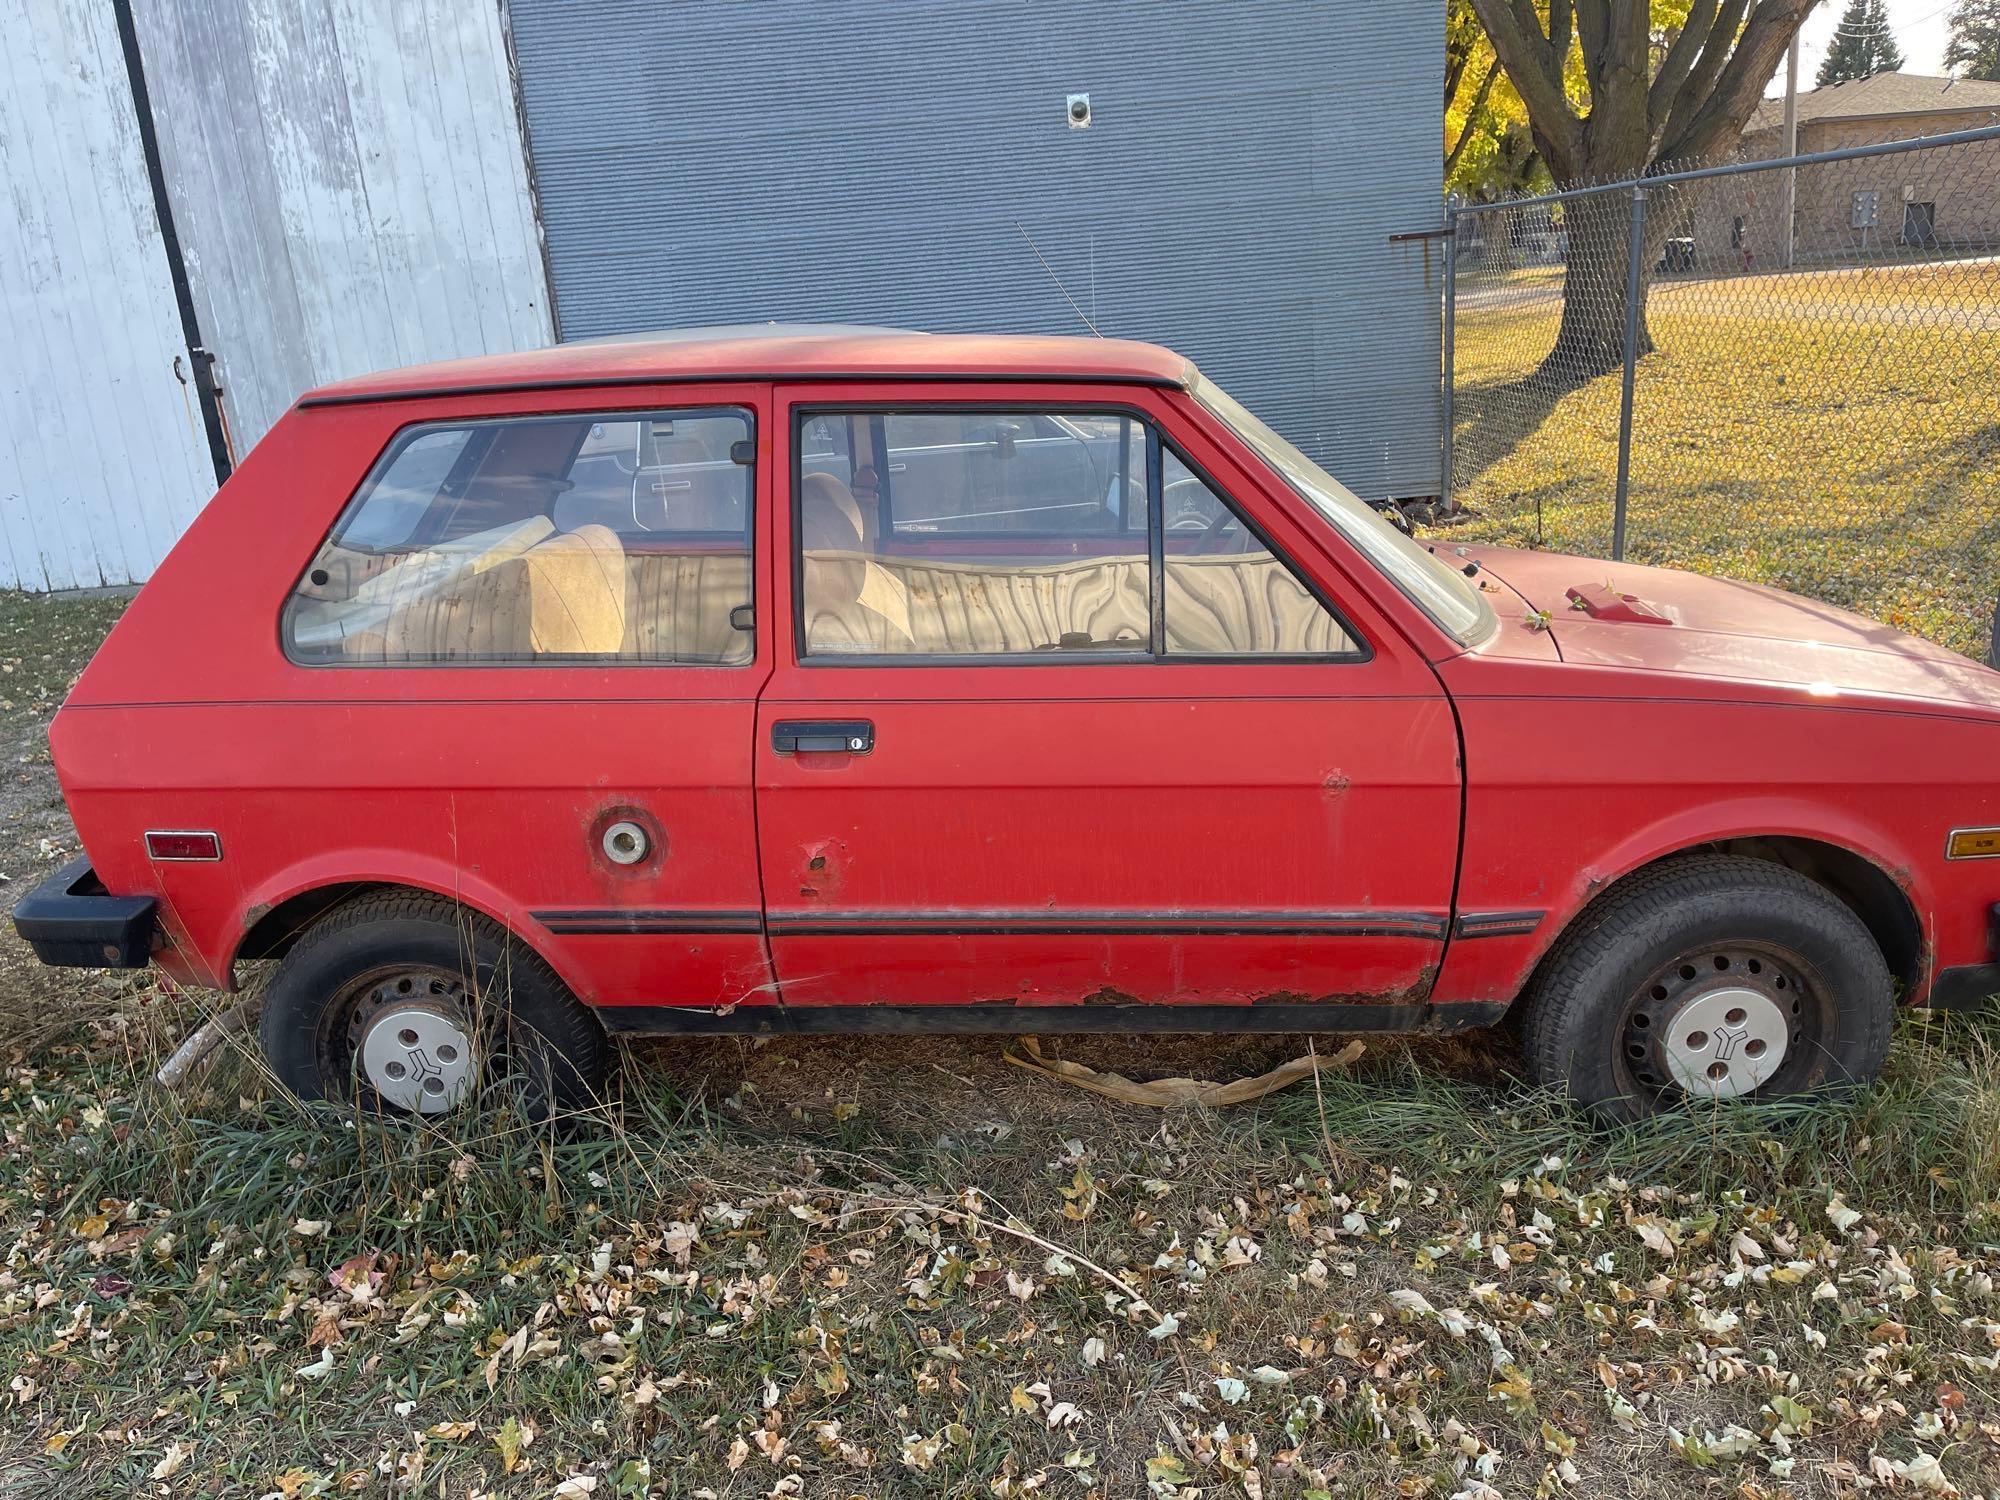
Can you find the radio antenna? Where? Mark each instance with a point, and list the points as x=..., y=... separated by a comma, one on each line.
x=1055, y=278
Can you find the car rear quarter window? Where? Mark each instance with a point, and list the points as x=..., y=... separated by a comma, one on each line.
x=594, y=537
x=997, y=533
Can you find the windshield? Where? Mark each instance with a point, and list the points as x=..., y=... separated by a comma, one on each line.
x=1437, y=588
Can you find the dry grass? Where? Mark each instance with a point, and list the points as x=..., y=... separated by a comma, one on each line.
x=1832, y=432
x=902, y=1268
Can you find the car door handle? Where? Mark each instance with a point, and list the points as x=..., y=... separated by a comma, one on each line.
x=810, y=736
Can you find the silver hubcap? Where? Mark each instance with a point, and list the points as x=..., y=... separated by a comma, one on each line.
x=1726, y=1042
x=417, y=1056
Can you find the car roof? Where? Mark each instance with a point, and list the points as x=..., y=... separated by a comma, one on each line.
x=775, y=351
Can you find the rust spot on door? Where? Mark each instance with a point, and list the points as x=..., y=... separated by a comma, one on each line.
x=822, y=868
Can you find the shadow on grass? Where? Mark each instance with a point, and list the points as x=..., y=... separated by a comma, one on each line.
x=1490, y=422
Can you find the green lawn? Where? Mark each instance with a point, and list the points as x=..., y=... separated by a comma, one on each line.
x=1832, y=432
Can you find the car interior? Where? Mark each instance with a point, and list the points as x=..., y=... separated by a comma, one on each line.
x=537, y=543
x=1012, y=533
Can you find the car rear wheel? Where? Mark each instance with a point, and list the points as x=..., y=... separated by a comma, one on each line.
x=410, y=1004
x=1709, y=978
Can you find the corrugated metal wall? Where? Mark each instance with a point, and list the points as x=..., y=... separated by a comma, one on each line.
x=348, y=179
x=102, y=456
x=904, y=161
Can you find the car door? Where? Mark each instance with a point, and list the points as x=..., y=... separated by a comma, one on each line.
x=1090, y=762
x=524, y=665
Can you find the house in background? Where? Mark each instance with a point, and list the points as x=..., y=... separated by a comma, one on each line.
x=1915, y=201
x=217, y=203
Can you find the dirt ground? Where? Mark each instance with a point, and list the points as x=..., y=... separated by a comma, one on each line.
x=44, y=642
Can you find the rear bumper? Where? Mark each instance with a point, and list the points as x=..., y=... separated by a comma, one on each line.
x=71, y=921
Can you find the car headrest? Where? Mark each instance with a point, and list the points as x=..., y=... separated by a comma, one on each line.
x=829, y=520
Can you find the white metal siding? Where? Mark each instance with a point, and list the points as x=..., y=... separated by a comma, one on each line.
x=1233, y=196
x=347, y=177
x=102, y=455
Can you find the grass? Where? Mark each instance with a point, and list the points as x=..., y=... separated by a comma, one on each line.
x=1420, y=1279
x=1833, y=432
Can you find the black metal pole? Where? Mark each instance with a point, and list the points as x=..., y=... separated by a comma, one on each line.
x=201, y=363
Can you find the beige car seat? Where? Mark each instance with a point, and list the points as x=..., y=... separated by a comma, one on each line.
x=680, y=606
x=576, y=593
x=1246, y=602
x=829, y=518
x=853, y=603
x=459, y=600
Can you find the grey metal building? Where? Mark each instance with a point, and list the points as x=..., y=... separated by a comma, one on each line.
x=914, y=162
x=215, y=203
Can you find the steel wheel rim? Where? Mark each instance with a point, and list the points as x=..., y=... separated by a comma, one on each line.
x=409, y=1038
x=1719, y=1022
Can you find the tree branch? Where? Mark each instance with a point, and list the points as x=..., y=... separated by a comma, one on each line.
x=1705, y=119
x=1593, y=24
x=1562, y=13
x=1680, y=59
x=1461, y=39
x=1618, y=136
x=1472, y=114
x=1523, y=50
x=1695, y=89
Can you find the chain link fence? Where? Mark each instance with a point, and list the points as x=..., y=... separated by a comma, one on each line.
x=1786, y=371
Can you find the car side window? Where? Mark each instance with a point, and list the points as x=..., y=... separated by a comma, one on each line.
x=594, y=537
x=1227, y=594
x=991, y=533
x=972, y=533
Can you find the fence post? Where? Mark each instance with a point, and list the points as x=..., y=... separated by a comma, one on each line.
x=1450, y=332
x=1635, y=255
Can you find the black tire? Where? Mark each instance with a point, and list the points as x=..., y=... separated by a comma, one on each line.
x=1601, y=1007
x=536, y=1038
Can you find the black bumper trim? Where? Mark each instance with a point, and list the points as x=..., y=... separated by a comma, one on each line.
x=634, y=920
x=1106, y=924
x=72, y=922
x=1967, y=987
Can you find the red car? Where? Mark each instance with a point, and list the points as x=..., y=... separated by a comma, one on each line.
x=865, y=681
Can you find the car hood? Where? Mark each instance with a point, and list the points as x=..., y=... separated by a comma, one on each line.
x=1663, y=620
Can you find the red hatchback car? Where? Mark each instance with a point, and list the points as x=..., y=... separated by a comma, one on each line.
x=821, y=680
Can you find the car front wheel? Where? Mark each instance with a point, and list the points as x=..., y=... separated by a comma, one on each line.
x=405, y=1003
x=1709, y=977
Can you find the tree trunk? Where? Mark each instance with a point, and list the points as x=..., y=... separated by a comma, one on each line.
x=1591, y=338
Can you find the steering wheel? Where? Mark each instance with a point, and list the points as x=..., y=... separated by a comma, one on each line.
x=1221, y=531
